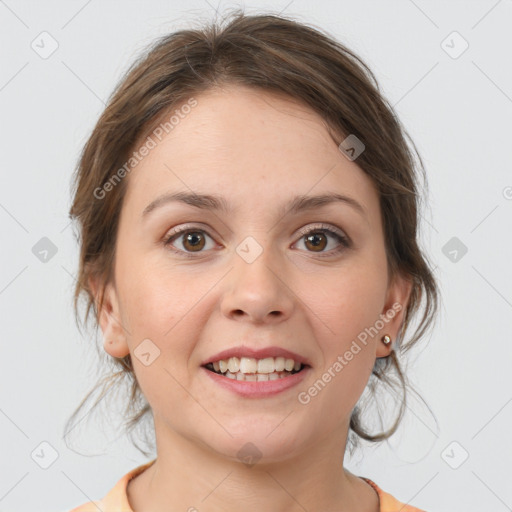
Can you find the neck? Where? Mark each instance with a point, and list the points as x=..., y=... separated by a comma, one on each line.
x=194, y=478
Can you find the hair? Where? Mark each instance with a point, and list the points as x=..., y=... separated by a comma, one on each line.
x=276, y=54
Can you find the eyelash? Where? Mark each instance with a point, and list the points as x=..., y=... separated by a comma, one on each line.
x=340, y=237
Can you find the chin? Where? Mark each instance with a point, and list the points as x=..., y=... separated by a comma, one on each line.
x=258, y=441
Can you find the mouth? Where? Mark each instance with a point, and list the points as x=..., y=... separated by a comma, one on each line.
x=250, y=369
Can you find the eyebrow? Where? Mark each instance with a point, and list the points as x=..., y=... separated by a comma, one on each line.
x=218, y=203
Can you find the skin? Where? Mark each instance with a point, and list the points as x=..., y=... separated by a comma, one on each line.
x=257, y=150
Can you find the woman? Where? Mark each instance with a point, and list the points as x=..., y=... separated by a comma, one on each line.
x=248, y=210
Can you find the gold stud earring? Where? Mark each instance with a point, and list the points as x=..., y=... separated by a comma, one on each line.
x=386, y=339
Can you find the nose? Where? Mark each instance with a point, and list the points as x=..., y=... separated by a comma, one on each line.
x=257, y=291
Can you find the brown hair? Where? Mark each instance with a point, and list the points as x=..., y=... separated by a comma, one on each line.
x=271, y=53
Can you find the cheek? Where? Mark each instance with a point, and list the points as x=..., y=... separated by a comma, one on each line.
x=148, y=301
x=164, y=305
x=155, y=295
x=349, y=301
x=349, y=310
x=161, y=328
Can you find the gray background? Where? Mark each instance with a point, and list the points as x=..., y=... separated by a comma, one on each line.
x=457, y=109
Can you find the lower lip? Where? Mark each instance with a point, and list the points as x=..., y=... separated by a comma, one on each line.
x=258, y=389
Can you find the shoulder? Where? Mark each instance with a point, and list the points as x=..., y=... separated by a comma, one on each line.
x=389, y=503
x=116, y=499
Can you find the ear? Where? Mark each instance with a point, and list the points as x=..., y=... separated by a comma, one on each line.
x=109, y=319
x=393, y=313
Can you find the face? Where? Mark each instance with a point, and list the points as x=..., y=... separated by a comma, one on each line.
x=256, y=274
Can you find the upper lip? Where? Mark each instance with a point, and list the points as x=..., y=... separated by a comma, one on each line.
x=256, y=353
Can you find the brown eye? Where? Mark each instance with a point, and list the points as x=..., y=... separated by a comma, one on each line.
x=186, y=242
x=323, y=240
x=193, y=240
x=317, y=241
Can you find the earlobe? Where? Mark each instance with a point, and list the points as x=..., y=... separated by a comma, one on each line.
x=114, y=335
x=114, y=342
x=393, y=314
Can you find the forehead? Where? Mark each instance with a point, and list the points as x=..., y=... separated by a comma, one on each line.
x=241, y=141
x=243, y=119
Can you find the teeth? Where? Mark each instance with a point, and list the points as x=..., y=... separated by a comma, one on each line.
x=248, y=365
x=256, y=377
x=266, y=365
x=279, y=364
x=234, y=364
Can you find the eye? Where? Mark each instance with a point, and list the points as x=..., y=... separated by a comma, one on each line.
x=316, y=238
x=192, y=240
